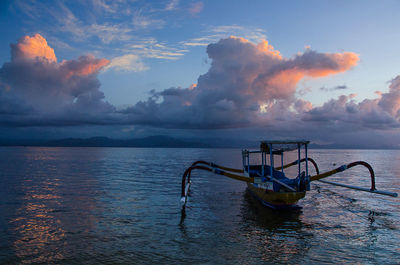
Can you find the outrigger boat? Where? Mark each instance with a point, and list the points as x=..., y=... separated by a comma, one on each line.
x=268, y=183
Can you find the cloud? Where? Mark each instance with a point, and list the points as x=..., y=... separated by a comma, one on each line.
x=344, y=114
x=248, y=86
x=254, y=86
x=105, y=27
x=390, y=101
x=151, y=48
x=103, y=6
x=31, y=48
x=42, y=91
x=172, y=5
x=341, y=87
x=108, y=33
x=128, y=62
x=243, y=78
x=141, y=21
x=84, y=66
x=252, y=34
x=196, y=8
x=214, y=34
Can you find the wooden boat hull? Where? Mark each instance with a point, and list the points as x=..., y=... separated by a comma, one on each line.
x=275, y=200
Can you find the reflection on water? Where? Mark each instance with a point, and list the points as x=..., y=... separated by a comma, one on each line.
x=121, y=205
x=252, y=211
x=36, y=225
x=53, y=203
x=280, y=232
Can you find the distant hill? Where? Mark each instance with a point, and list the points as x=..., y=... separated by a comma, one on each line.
x=151, y=141
x=163, y=141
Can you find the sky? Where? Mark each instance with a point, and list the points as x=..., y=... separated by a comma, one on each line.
x=326, y=71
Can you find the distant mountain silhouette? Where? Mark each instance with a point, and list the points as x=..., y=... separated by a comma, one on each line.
x=151, y=141
x=163, y=141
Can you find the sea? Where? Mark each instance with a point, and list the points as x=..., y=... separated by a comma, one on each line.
x=92, y=205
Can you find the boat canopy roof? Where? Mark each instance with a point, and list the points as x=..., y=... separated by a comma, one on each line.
x=280, y=146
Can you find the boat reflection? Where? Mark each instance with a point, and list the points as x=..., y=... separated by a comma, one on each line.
x=252, y=211
x=275, y=231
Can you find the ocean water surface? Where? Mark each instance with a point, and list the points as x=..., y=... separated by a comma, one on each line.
x=121, y=206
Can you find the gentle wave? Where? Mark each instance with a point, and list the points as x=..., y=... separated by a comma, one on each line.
x=121, y=205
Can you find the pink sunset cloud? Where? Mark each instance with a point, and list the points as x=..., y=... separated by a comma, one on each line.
x=84, y=66
x=35, y=82
x=36, y=48
x=32, y=48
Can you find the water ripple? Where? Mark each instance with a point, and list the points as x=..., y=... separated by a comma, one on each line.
x=121, y=206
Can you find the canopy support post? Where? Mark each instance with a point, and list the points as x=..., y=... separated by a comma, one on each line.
x=298, y=158
x=262, y=163
x=306, y=151
x=271, y=156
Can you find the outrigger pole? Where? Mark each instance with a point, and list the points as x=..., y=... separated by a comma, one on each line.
x=388, y=193
x=229, y=172
x=350, y=165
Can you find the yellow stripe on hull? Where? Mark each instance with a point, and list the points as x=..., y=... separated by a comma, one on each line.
x=276, y=198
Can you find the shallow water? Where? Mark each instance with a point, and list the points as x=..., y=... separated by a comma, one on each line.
x=121, y=205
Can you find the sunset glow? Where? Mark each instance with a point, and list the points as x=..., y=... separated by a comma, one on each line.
x=74, y=70
x=199, y=132
x=33, y=47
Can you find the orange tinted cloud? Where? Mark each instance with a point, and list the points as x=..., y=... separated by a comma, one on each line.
x=36, y=47
x=84, y=66
x=283, y=83
x=344, y=61
x=282, y=80
x=265, y=47
x=31, y=48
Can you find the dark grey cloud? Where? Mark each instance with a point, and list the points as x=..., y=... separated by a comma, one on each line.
x=341, y=87
x=390, y=101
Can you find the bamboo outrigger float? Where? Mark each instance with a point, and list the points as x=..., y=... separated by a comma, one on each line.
x=269, y=184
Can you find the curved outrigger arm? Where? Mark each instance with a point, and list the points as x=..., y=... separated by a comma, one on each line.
x=319, y=176
x=373, y=189
x=217, y=166
x=301, y=161
x=219, y=170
